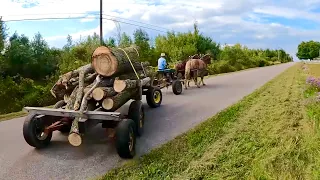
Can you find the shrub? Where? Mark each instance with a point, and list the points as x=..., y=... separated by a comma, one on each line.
x=225, y=67
x=23, y=92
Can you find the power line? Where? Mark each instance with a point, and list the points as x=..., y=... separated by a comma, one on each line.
x=88, y=14
x=59, y=18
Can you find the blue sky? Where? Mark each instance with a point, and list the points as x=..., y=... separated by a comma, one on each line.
x=255, y=23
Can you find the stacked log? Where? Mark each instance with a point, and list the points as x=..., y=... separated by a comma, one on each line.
x=112, y=79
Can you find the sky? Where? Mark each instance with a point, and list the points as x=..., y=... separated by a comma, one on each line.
x=270, y=24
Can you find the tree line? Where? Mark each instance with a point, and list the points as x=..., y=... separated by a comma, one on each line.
x=29, y=67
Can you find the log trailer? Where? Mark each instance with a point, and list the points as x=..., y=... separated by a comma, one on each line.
x=91, y=95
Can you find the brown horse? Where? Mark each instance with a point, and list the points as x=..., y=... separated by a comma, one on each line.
x=196, y=68
x=180, y=67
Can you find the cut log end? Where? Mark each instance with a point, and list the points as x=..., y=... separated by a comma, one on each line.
x=107, y=103
x=119, y=85
x=98, y=94
x=104, y=62
x=75, y=139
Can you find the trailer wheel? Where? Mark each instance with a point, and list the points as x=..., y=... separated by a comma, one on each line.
x=64, y=128
x=33, y=132
x=154, y=97
x=177, y=87
x=126, y=139
x=136, y=113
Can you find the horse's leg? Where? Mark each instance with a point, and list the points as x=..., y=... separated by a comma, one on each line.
x=191, y=76
x=185, y=80
x=202, y=77
x=196, y=79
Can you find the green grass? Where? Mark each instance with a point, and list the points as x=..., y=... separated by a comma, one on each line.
x=310, y=94
x=266, y=135
x=5, y=117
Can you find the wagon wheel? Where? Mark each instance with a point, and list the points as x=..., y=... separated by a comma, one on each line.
x=126, y=139
x=177, y=87
x=154, y=97
x=34, y=134
x=136, y=113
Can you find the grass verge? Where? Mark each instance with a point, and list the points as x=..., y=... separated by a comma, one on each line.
x=312, y=95
x=266, y=135
x=5, y=117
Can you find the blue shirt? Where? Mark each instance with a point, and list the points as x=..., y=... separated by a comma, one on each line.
x=162, y=63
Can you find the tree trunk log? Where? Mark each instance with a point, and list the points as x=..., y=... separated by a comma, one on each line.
x=86, y=89
x=80, y=91
x=114, y=62
x=74, y=137
x=59, y=89
x=120, y=85
x=101, y=92
x=115, y=102
x=65, y=78
x=72, y=98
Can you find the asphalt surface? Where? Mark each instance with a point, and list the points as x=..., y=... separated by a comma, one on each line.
x=176, y=115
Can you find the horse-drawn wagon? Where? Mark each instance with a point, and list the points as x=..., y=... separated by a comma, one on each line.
x=91, y=95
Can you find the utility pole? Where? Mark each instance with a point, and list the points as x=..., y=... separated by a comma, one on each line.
x=278, y=55
x=101, y=35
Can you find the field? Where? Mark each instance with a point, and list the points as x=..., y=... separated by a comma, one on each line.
x=270, y=134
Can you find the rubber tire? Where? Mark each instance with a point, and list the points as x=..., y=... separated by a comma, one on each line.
x=122, y=138
x=176, y=84
x=135, y=110
x=30, y=137
x=149, y=97
x=65, y=128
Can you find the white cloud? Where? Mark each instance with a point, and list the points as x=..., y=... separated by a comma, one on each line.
x=225, y=20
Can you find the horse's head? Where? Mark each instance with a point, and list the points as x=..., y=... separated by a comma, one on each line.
x=206, y=58
x=196, y=56
x=181, y=65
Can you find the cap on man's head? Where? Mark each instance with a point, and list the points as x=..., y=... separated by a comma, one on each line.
x=163, y=54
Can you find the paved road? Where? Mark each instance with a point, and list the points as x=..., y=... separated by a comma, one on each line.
x=176, y=115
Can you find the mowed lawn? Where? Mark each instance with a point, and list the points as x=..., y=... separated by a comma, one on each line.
x=270, y=134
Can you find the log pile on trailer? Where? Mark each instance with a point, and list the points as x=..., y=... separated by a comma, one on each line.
x=113, y=77
x=116, y=85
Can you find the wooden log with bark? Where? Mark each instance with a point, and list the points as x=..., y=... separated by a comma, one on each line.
x=114, y=62
x=66, y=85
x=121, y=85
x=65, y=78
x=113, y=103
x=74, y=137
x=101, y=92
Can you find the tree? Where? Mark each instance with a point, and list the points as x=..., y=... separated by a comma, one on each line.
x=3, y=34
x=141, y=39
x=125, y=40
x=69, y=44
x=308, y=50
x=111, y=42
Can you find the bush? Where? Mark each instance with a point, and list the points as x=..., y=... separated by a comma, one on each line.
x=24, y=93
x=225, y=67
x=262, y=62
